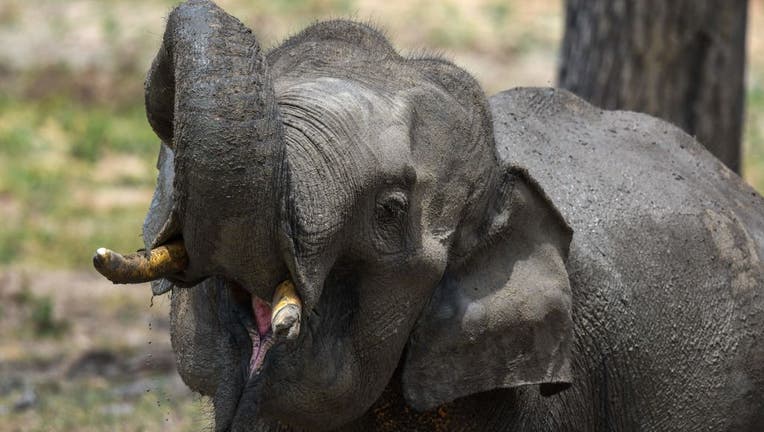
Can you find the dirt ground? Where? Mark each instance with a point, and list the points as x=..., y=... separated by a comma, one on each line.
x=78, y=353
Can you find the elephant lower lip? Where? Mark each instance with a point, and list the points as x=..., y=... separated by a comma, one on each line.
x=261, y=344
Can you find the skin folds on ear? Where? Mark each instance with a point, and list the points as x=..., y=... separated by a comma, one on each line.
x=501, y=316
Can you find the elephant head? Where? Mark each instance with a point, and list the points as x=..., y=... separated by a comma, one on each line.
x=368, y=180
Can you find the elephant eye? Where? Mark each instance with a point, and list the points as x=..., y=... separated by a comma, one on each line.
x=391, y=206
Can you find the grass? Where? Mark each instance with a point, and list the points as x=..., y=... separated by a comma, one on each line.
x=753, y=143
x=93, y=405
x=42, y=319
x=59, y=196
x=33, y=314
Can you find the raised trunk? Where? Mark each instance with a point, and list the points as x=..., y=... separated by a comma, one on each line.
x=209, y=97
x=680, y=60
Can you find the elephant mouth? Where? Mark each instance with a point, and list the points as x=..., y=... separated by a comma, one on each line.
x=266, y=323
x=254, y=315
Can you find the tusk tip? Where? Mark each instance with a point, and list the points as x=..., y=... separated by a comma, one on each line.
x=101, y=258
x=287, y=311
x=138, y=267
x=286, y=322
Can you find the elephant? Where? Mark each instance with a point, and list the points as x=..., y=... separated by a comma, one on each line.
x=358, y=240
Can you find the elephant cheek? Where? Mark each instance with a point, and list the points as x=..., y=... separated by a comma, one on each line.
x=403, y=294
x=434, y=257
x=194, y=327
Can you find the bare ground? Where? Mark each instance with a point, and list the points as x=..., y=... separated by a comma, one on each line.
x=100, y=354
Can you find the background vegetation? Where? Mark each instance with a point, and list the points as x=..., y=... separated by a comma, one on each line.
x=77, y=172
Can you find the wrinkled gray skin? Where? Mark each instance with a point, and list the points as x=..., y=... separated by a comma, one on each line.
x=429, y=236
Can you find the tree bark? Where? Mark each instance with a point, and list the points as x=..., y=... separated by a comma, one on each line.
x=680, y=60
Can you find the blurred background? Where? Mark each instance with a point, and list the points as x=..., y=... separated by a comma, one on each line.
x=77, y=172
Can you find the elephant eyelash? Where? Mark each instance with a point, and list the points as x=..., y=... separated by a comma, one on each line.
x=391, y=206
x=391, y=233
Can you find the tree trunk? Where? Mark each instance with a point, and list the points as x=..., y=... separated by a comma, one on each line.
x=681, y=60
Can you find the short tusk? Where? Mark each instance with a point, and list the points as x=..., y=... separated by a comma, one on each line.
x=287, y=309
x=163, y=261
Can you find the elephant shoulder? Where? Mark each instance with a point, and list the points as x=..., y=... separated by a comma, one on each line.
x=661, y=229
x=621, y=178
x=599, y=165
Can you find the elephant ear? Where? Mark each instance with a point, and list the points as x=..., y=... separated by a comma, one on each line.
x=501, y=316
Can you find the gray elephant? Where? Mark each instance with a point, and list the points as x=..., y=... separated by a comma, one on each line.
x=358, y=240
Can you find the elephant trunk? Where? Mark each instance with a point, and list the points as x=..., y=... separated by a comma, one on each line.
x=210, y=98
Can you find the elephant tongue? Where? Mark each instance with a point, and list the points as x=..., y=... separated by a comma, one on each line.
x=262, y=311
x=261, y=336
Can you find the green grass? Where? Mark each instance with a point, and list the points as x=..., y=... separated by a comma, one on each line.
x=753, y=142
x=51, y=181
x=93, y=405
x=43, y=322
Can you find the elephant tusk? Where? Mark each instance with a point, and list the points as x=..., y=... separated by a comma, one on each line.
x=162, y=261
x=287, y=310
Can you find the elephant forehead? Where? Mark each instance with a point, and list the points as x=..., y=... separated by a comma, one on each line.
x=343, y=138
x=347, y=122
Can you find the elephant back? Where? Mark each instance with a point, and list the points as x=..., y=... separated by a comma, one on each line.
x=665, y=264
